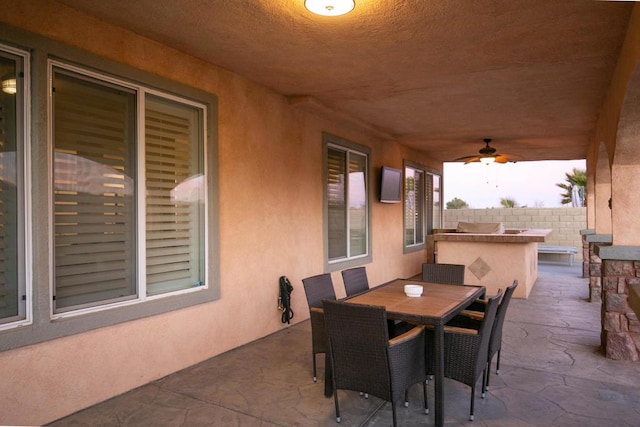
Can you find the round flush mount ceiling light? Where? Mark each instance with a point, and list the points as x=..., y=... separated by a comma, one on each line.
x=329, y=7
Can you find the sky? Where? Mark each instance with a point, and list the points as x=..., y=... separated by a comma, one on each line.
x=531, y=184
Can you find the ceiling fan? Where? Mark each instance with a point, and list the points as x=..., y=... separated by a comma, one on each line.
x=489, y=155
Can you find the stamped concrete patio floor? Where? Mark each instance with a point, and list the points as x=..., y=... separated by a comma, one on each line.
x=552, y=373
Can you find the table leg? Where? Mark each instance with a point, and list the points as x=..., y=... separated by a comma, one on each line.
x=439, y=373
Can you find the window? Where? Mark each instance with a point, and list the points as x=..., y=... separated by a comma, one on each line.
x=15, y=298
x=347, y=200
x=422, y=206
x=124, y=200
x=436, y=205
x=414, y=206
x=128, y=191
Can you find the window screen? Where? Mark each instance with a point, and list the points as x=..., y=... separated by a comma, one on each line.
x=347, y=203
x=13, y=295
x=93, y=193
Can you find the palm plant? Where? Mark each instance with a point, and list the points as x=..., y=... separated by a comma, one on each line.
x=576, y=180
x=508, y=202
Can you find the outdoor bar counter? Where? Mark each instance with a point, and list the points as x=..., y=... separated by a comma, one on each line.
x=493, y=259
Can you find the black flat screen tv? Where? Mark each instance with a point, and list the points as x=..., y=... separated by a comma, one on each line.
x=390, y=185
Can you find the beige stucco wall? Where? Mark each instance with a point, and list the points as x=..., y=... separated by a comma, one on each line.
x=615, y=126
x=271, y=224
x=566, y=223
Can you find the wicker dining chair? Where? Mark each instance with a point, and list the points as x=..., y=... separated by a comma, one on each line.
x=466, y=350
x=355, y=280
x=363, y=358
x=448, y=274
x=472, y=319
x=495, y=343
x=318, y=288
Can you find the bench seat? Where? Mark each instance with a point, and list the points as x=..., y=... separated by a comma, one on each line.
x=561, y=250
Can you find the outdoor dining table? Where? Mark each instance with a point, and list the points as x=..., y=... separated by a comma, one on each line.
x=437, y=305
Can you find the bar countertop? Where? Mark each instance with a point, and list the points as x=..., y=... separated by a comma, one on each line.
x=509, y=236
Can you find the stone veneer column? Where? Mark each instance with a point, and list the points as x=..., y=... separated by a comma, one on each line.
x=585, y=257
x=595, y=276
x=595, y=264
x=620, y=326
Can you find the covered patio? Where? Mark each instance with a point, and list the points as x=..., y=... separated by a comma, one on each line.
x=278, y=110
x=553, y=373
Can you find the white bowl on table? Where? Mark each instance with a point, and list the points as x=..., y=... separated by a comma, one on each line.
x=413, y=290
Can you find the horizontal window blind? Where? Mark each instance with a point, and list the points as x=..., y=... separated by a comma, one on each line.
x=421, y=207
x=12, y=307
x=6, y=175
x=175, y=196
x=347, y=211
x=357, y=204
x=336, y=203
x=9, y=295
x=414, y=206
x=435, y=207
x=93, y=191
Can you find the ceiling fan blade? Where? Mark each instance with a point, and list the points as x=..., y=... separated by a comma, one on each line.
x=465, y=158
x=508, y=158
x=472, y=159
x=488, y=155
x=501, y=158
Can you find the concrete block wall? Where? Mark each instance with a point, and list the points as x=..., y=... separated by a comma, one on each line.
x=566, y=223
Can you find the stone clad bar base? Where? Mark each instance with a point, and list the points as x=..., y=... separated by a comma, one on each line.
x=620, y=334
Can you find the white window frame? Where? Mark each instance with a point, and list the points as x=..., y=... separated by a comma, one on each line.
x=334, y=142
x=436, y=206
x=140, y=202
x=422, y=215
x=429, y=204
x=23, y=134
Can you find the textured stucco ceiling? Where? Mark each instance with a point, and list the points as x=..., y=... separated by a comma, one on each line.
x=438, y=75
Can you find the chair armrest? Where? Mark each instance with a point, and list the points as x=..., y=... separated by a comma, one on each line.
x=478, y=305
x=475, y=315
x=407, y=336
x=461, y=320
x=318, y=310
x=457, y=330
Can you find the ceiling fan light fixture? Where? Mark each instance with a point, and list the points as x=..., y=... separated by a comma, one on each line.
x=487, y=160
x=329, y=7
x=487, y=155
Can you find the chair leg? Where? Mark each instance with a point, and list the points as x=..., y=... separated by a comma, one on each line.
x=426, y=401
x=336, y=404
x=393, y=411
x=315, y=377
x=473, y=395
x=485, y=380
x=406, y=398
x=486, y=387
